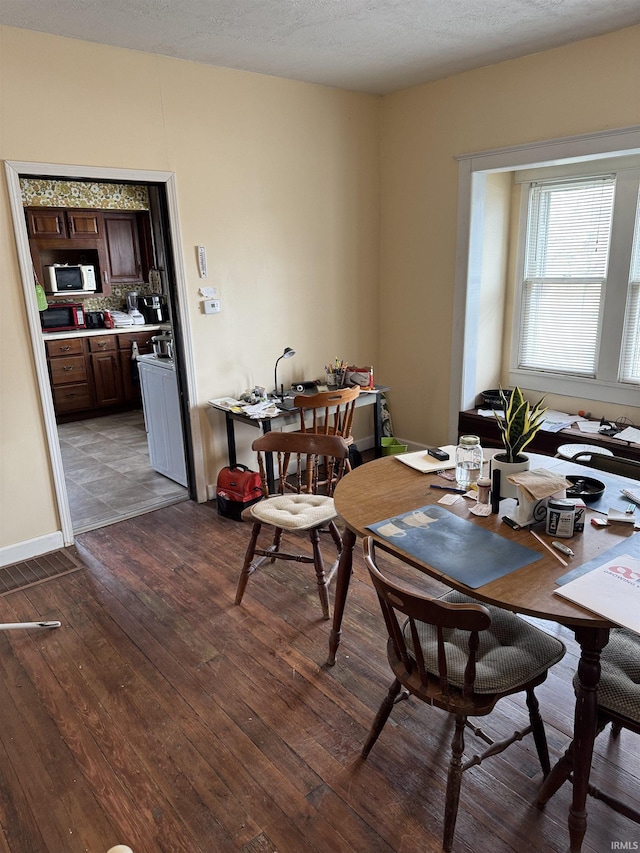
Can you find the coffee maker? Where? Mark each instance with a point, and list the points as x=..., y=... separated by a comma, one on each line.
x=153, y=308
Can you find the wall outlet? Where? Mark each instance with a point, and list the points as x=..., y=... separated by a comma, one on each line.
x=211, y=306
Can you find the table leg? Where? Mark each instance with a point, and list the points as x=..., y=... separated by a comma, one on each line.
x=377, y=424
x=231, y=440
x=343, y=578
x=271, y=480
x=592, y=641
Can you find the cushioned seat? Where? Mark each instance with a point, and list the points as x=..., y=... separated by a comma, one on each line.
x=510, y=652
x=295, y=512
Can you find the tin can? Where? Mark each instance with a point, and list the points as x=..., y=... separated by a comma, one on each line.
x=561, y=516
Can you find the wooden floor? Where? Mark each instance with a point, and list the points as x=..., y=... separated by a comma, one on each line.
x=162, y=716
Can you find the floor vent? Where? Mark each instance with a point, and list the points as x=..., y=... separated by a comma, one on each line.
x=40, y=569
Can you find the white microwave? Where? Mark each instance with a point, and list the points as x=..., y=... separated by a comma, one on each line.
x=70, y=278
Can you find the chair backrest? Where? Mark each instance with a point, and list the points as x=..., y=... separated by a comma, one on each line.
x=331, y=411
x=304, y=453
x=611, y=464
x=417, y=608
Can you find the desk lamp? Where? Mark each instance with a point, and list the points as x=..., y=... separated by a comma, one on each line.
x=288, y=352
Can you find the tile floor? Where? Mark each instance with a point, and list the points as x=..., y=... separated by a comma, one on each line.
x=107, y=471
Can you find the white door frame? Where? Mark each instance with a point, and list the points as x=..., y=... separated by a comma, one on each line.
x=14, y=169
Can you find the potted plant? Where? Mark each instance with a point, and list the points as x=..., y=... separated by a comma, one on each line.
x=518, y=427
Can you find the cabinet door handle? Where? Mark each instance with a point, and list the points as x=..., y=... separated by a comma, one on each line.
x=104, y=276
x=67, y=367
x=65, y=349
x=102, y=343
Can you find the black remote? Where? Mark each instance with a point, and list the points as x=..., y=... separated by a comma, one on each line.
x=437, y=453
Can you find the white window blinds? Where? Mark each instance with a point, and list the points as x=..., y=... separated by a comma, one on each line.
x=565, y=270
x=630, y=359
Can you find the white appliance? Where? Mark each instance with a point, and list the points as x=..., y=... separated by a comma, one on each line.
x=66, y=279
x=161, y=407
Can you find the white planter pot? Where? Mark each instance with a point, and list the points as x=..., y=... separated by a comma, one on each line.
x=507, y=469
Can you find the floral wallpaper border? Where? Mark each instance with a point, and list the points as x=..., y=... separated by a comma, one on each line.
x=44, y=192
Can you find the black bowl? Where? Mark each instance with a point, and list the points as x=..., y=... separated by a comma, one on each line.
x=492, y=398
x=584, y=487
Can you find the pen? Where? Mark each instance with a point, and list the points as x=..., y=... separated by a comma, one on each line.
x=549, y=549
x=448, y=489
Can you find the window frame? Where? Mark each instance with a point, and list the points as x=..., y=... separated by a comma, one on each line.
x=605, y=385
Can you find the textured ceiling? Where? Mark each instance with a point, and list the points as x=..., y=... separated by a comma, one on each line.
x=376, y=46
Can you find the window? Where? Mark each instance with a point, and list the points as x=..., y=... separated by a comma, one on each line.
x=578, y=308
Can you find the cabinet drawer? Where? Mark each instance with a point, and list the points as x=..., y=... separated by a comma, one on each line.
x=65, y=371
x=143, y=339
x=102, y=343
x=72, y=398
x=68, y=346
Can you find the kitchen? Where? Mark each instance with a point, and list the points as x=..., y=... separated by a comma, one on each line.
x=103, y=285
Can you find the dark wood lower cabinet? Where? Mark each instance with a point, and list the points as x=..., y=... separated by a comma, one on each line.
x=96, y=375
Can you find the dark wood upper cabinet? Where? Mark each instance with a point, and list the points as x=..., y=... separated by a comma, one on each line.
x=123, y=246
x=84, y=223
x=46, y=222
x=118, y=243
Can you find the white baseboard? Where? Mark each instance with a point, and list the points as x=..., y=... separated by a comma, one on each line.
x=31, y=548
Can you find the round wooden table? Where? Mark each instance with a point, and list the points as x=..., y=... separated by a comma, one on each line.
x=386, y=488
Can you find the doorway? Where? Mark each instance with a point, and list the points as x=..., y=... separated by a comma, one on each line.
x=95, y=432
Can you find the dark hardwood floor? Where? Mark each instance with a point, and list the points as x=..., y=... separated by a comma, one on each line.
x=164, y=717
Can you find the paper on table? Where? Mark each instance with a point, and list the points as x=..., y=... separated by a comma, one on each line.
x=589, y=426
x=629, y=434
x=225, y=403
x=611, y=590
x=421, y=461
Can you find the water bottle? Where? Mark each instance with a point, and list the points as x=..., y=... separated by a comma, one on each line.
x=468, y=461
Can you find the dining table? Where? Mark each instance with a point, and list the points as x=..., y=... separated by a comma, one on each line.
x=385, y=489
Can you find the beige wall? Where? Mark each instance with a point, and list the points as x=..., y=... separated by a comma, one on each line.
x=278, y=179
x=582, y=88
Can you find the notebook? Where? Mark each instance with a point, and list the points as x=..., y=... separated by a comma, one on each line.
x=421, y=461
x=611, y=590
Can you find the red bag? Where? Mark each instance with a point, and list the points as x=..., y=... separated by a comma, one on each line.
x=236, y=489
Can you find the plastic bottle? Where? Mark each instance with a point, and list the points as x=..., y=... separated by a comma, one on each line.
x=469, y=460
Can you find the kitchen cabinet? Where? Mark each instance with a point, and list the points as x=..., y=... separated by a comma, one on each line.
x=117, y=243
x=70, y=380
x=84, y=223
x=122, y=247
x=105, y=370
x=47, y=222
x=94, y=374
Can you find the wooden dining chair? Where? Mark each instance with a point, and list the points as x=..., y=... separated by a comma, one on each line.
x=461, y=657
x=299, y=464
x=618, y=704
x=328, y=413
x=610, y=464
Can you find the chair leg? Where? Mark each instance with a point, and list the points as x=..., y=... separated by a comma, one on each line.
x=556, y=778
x=335, y=535
x=454, y=782
x=247, y=568
x=382, y=716
x=277, y=541
x=318, y=563
x=539, y=736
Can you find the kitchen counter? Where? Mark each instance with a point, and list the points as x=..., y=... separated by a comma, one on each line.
x=89, y=333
